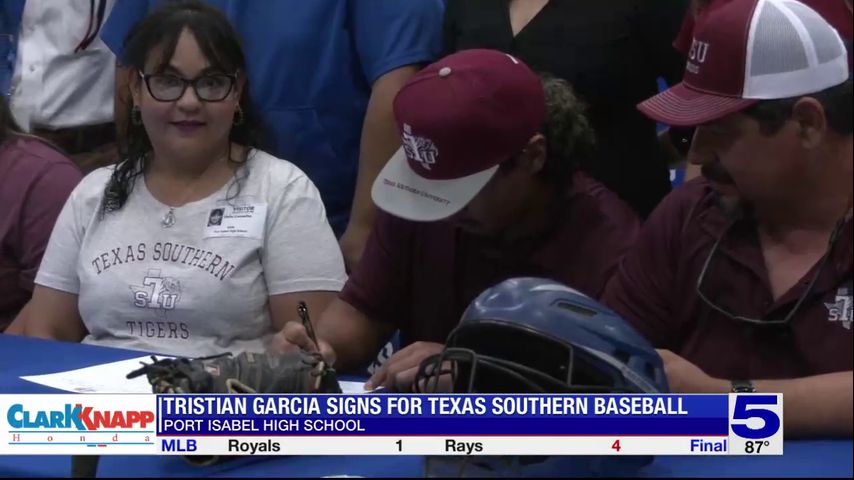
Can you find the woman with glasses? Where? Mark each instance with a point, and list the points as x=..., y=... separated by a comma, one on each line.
x=135, y=261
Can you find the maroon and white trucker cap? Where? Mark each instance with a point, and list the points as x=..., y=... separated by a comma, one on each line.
x=459, y=118
x=749, y=50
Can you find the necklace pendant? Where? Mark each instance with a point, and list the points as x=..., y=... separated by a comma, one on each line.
x=168, y=219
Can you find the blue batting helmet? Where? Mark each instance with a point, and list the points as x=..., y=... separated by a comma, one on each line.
x=533, y=335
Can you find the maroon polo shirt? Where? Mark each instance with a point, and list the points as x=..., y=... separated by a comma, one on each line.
x=655, y=289
x=35, y=181
x=420, y=277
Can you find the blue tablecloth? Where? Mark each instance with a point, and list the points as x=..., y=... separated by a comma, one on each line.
x=25, y=356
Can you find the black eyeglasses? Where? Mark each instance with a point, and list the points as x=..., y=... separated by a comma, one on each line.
x=166, y=87
x=788, y=318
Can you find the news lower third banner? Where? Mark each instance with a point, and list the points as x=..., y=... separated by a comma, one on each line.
x=370, y=424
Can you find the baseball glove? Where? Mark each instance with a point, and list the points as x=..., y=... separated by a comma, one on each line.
x=300, y=372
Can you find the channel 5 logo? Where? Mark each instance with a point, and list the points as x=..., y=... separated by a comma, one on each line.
x=756, y=416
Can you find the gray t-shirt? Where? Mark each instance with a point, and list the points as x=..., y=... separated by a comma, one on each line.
x=200, y=286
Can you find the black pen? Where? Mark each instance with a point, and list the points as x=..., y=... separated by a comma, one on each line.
x=302, y=311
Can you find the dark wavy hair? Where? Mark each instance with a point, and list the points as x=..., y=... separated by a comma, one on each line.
x=569, y=135
x=570, y=140
x=222, y=48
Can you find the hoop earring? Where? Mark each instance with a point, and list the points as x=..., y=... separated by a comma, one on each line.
x=135, y=116
x=238, y=116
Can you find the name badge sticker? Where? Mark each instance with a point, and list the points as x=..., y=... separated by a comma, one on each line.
x=246, y=221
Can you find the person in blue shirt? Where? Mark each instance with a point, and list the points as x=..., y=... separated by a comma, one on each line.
x=11, y=12
x=323, y=74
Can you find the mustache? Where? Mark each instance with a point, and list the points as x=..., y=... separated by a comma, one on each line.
x=716, y=173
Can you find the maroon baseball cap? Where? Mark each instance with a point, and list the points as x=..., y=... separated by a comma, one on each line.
x=750, y=50
x=458, y=118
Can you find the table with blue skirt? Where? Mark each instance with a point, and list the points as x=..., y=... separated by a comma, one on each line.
x=20, y=356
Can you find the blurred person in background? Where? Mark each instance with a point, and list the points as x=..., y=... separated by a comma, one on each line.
x=35, y=181
x=136, y=262
x=324, y=74
x=59, y=77
x=612, y=53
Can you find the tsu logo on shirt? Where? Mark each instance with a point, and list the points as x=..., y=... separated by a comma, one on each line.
x=420, y=149
x=161, y=293
x=841, y=309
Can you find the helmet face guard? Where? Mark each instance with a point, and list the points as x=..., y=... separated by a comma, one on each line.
x=519, y=367
x=474, y=373
x=535, y=336
x=492, y=356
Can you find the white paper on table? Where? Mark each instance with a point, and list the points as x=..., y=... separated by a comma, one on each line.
x=352, y=387
x=111, y=378
x=104, y=378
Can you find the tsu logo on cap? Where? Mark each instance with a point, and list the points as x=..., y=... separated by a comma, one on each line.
x=458, y=119
x=420, y=149
x=745, y=51
x=697, y=55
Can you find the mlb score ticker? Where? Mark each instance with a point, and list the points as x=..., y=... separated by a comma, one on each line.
x=383, y=424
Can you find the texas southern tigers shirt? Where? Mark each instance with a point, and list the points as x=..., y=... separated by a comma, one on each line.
x=200, y=287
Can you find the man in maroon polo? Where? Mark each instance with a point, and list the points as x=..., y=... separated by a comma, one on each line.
x=743, y=277
x=485, y=188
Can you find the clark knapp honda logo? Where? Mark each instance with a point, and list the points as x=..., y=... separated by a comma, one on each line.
x=420, y=149
x=697, y=55
x=840, y=310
